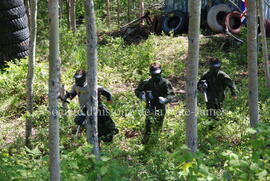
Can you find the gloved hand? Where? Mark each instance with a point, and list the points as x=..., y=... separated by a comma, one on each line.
x=162, y=100
x=149, y=95
x=143, y=97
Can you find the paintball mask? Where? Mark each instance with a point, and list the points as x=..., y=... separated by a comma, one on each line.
x=80, y=77
x=156, y=73
x=215, y=65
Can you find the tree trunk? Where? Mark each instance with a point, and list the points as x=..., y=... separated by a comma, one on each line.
x=192, y=73
x=118, y=13
x=68, y=2
x=260, y=4
x=73, y=15
x=252, y=63
x=108, y=17
x=92, y=104
x=54, y=68
x=142, y=10
x=61, y=8
x=27, y=7
x=128, y=13
x=31, y=66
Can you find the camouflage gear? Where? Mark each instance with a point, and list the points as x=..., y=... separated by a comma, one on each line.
x=106, y=126
x=158, y=87
x=217, y=82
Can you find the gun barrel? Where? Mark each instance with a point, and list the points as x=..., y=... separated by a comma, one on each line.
x=205, y=96
x=78, y=129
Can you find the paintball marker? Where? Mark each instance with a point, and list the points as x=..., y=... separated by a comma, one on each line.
x=62, y=95
x=149, y=97
x=203, y=86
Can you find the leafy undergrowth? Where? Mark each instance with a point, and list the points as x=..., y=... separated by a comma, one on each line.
x=230, y=151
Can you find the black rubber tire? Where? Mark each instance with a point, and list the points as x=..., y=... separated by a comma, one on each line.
x=14, y=25
x=216, y=17
x=4, y=58
x=15, y=48
x=13, y=13
x=176, y=22
x=8, y=4
x=233, y=22
x=21, y=55
x=14, y=37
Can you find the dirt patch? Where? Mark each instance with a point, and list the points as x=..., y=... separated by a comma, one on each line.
x=11, y=131
x=131, y=35
x=178, y=83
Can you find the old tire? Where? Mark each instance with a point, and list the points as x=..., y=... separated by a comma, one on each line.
x=176, y=22
x=233, y=22
x=8, y=26
x=216, y=17
x=157, y=24
x=12, y=13
x=16, y=47
x=14, y=37
x=7, y=57
x=8, y=4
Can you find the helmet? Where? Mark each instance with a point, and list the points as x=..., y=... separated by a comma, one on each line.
x=214, y=62
x=155, y=68
x=215, y=65
x=80, y=77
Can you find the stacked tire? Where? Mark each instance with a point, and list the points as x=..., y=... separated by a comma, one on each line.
x=14, y=31
x=220, y=17
x=175, y=22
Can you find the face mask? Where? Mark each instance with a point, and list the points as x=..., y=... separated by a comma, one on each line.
x=156, y=77
x=214, y=69
x=80, y=82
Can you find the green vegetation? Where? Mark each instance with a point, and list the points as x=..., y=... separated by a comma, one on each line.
x=231, y=151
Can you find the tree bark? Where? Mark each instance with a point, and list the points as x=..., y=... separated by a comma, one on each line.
x=108, y=18
x=68, y=2
x=192, y=73
x=129, y=10
x=118, y=13
x=260, y=4
x=92, y=104
x=142, y=10
x=73, y=15
x=31, y=66
x=252, y=63
x=54, y=71
x=27, y=7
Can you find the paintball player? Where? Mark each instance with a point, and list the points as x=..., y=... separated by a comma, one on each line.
x=106, y=126
x=156, y=92
x=213, y=84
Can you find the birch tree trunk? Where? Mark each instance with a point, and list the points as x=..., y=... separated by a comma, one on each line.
x=61, y=8
x=142, y=10
x=68, y=2
x=118, y=13
x=108, y=19
x=27, y=7
x=128, y=13
x=252, y=63
x=73, y=15
x=192, y=73
x=92, y=104
x=54, y=71
x=260, y=4
x=31, y=66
